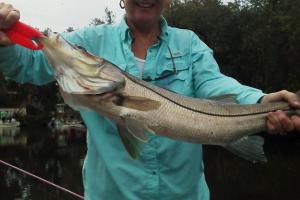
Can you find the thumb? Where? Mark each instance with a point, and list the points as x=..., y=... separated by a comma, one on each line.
x=283, y=95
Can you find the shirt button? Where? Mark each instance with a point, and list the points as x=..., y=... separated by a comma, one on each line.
x=154, y=173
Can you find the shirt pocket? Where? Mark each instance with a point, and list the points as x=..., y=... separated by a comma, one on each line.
x=178, y=80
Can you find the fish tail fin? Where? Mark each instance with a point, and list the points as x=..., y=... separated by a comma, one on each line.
x=249, y=148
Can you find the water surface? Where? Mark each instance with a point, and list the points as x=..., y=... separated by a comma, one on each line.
x=58, y=157
x=55, y=156
x=231, y=178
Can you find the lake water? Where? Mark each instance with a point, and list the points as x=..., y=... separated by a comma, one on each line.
x=58, y=156
x=231, y=178
x=53, y=155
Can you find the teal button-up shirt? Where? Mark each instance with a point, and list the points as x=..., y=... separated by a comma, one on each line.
x=167, y=169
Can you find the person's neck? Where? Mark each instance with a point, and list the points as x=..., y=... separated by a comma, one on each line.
x=143, y=38
x=145, y=33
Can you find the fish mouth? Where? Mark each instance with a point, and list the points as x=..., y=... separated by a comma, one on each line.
x=145, y=4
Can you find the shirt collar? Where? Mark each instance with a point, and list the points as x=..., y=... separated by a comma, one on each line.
x=125, y=30
x=164, y=27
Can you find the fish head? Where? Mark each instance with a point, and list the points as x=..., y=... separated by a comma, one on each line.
x=78, y=71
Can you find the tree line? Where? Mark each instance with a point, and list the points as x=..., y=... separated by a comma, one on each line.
x=255, y=41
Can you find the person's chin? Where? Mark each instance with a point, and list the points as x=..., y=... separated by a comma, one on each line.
x=145, y=21
x=146, y=18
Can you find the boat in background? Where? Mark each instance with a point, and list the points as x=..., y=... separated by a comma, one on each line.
x=66, y=119
x=11, y=136
x=9, y=123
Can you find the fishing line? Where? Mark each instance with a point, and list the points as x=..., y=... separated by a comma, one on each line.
x=42, y=180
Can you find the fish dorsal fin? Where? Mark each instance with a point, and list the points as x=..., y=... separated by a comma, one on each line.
x=137, y=103
x=132, y=145
x=225, y=99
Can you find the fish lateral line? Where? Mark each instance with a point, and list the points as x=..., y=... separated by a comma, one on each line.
x=140, y=82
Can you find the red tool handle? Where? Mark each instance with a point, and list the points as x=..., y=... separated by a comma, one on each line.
x=23, y=35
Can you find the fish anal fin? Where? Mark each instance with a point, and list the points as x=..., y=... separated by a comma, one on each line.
x=249, y=148
x=137, y=103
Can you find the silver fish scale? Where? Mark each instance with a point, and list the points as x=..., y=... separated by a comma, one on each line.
x=178, y=122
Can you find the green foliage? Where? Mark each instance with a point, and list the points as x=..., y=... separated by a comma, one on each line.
x=255, y=41
x=70, y=29
x=109, y=18
x=97, y=21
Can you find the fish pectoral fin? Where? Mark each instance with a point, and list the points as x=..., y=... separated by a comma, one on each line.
x=249, y=148
x=137, y=103
x=136, y=130
x=132, y=145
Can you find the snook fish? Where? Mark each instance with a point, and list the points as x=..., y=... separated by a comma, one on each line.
x=138, y=106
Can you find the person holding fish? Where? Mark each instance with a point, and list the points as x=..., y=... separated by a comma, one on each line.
x=144, y=46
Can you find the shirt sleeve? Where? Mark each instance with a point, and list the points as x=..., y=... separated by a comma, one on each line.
x=24, y=65
x=28, y=66
x=209, y=81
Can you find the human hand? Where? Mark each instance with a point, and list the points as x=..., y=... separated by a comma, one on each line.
x=8, y=16
x=278, y=122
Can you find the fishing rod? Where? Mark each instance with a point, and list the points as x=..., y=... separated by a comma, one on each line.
x=24, y=35
x=42, y=180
